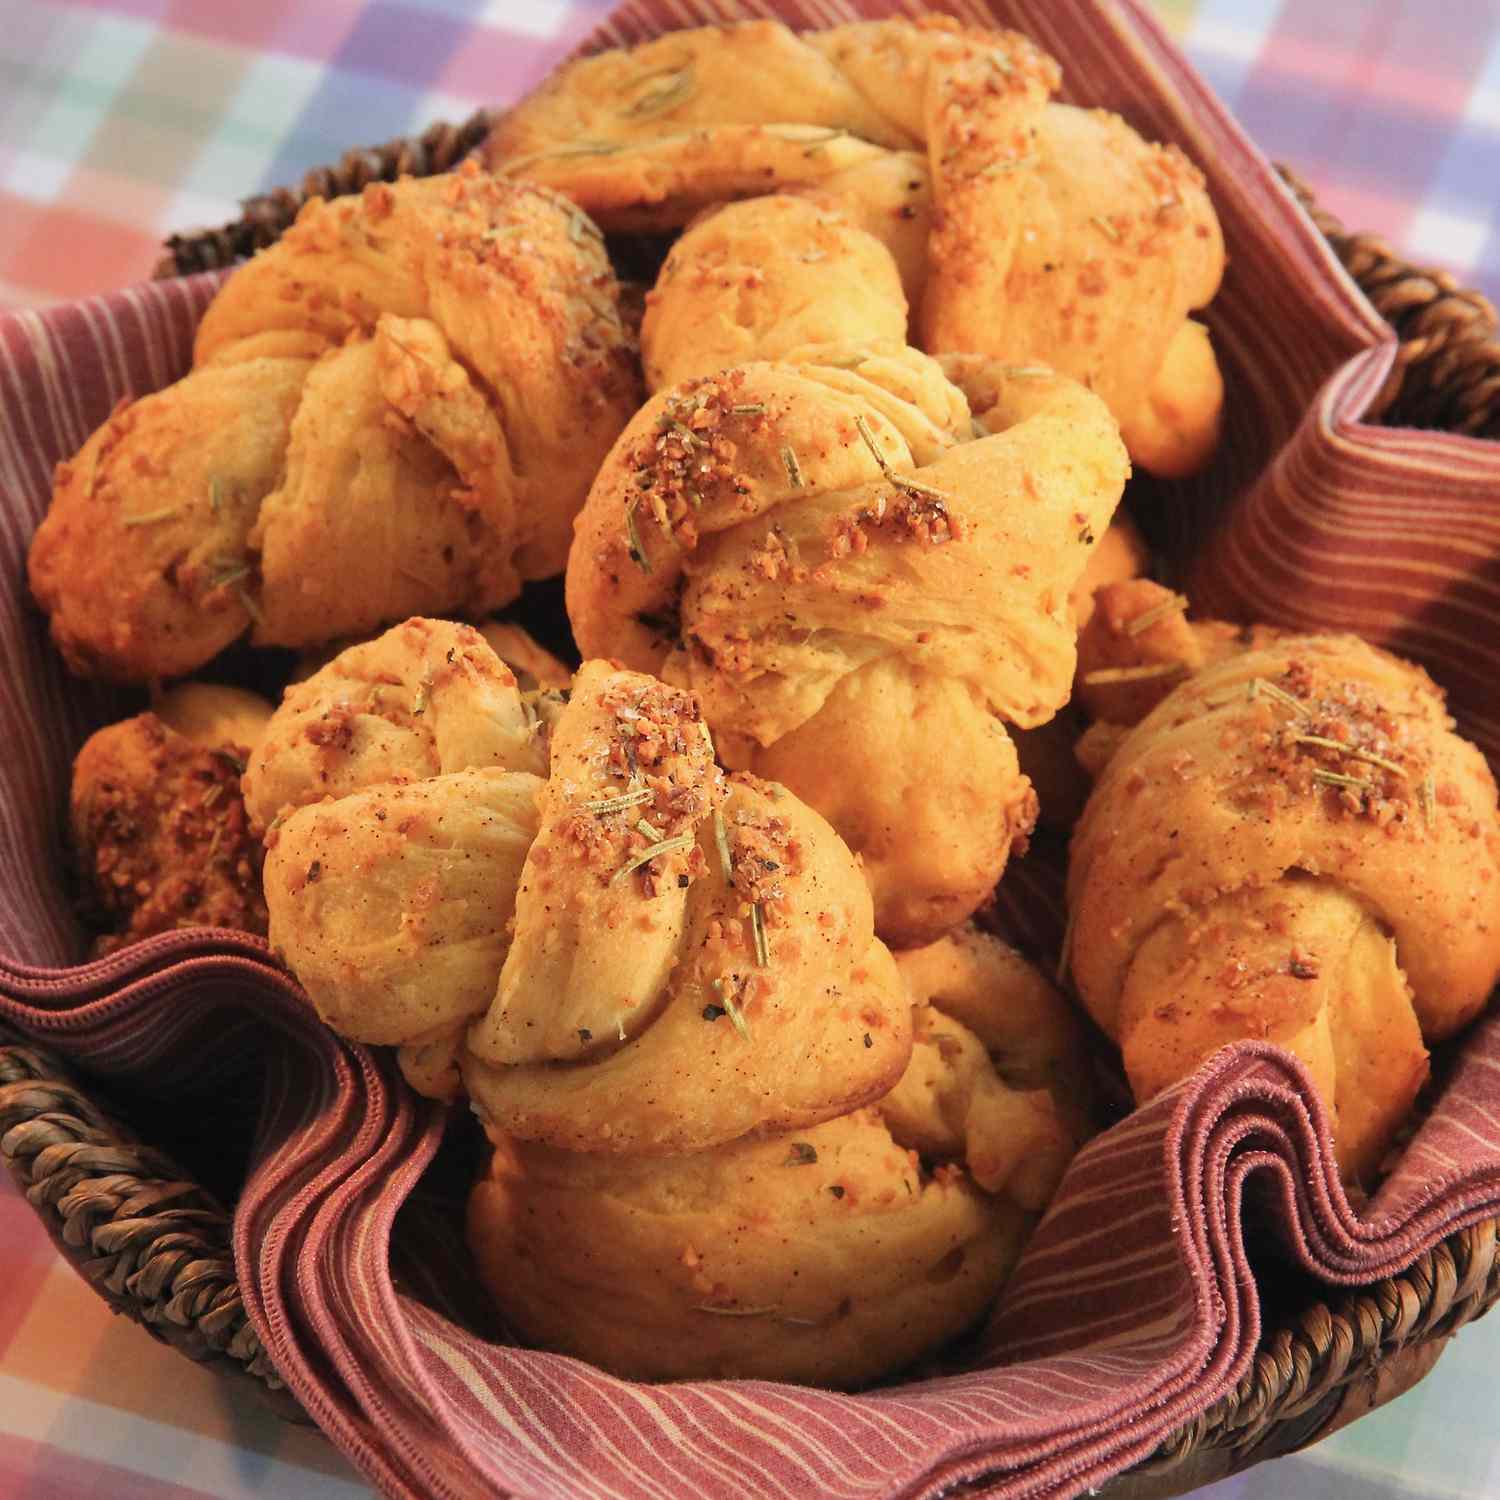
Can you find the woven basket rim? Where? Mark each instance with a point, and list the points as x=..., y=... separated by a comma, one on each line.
x=1445, y=375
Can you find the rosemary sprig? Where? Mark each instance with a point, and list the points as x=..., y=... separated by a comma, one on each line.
x=1104, y=227
x=616, y=804
x=1134, y=674
x=1337, y=778
x=1278, y=695
x=581, y=227
x=249, y=605
x=231, y=574
x=793, y=467
x=721, y=838
x=663, y=847
x=1354, y=753
x=1065, y=952
x=1143, y=622
x=863, y=428
x=915, y=486
x=573, y=148
x=758, y=930
x=633, y=539
x=151, y=517
x=731, y=1008
x=679, y=86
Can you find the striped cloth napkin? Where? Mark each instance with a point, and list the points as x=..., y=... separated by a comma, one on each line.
x=1135, y=1307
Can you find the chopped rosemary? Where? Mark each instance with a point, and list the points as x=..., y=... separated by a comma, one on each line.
x=731, y=1008
x=863, y=428
x=1276, y=694
x=1026, y=372
x=151, y=517
x=1143, y=622
x=419, y=703
x=758, y=929
x=615, y=804
x=231, y=760
x=1134, y=674
x=977, y=429
x=249, y=605
x=734, y=1312
x=213, y=843
x=801, y=1154
x=1104, y=227
x=581, y=227
x=1337, y=778
x=747, y=409
x=916, y=486
x=643, y=827
x=793, y=468
x=721, y=838
x=708, y=738
x=1065, y=952
x=1008, y=164
x=229, y=575
x=212, y=795
x=1351, y=751
x=659, y=101
x=574, y=148
x=664, y=847
x=633, y=539
x=1429, y=798
x=215, y=494
x=1001, y=61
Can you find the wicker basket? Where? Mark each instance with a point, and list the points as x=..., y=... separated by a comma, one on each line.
x=157, y=1247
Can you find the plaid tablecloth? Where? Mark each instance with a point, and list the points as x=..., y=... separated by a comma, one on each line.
x=123, y=119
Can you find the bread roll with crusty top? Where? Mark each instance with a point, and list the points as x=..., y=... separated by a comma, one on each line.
x=560, y=902
x=862, y=591
x=396, y=409
x=1293, y=846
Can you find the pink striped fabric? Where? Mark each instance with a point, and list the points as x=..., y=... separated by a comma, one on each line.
x=1136, y=1306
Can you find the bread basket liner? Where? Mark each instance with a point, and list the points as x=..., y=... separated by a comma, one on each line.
x=1135, y=1307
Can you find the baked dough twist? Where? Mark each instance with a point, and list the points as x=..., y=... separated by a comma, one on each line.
x=831, y=1255
x=1024, y=229
x=1294, y=846
x=396, y=408
x=564, y=900
x=861, y=592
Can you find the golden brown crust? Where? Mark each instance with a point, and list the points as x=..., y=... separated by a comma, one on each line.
x=1286, y=847
x=759, y=279
x=140, y=560
x=396, y=408
x=827, y=1257
x=158, y=823
x=618, y=949
x=1025, y=229
x=997, y=1079
x=830, y=559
